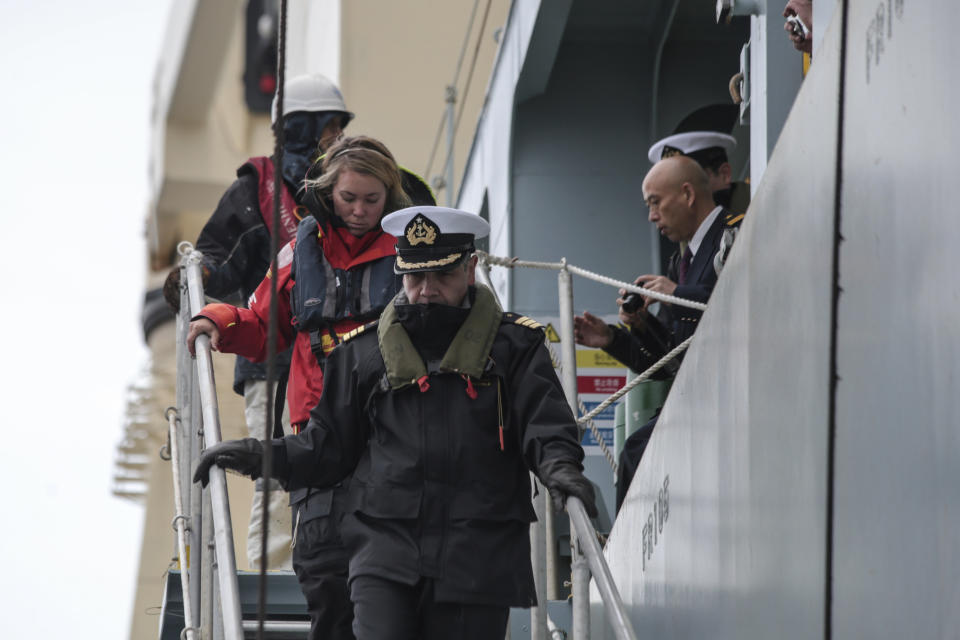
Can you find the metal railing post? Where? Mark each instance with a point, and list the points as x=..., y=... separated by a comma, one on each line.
x=580, y=576
x=206, y=573
x=451, y=99
x=538, y=560
x=222, y=529
x=186, y=391
x=569, y=380
x=588, y=544
x=180, y=519
x=568, y=348
x=568, y=360
x=199, y=512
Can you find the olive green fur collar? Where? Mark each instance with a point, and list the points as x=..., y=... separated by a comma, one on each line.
x=467, y=354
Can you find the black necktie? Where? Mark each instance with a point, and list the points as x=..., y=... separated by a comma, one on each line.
x=684, y=266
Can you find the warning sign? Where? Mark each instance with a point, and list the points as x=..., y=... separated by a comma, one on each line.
x=600, y=384
x=598, y=376
x=596, y=359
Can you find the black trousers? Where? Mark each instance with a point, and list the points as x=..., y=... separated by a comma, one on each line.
x=388, y=610
x=633, y=450
x=320, y=563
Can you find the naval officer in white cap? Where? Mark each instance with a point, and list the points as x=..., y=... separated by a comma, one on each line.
x=704, y=135
x=440, y=409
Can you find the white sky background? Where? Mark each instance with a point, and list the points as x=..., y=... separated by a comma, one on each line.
x=74, y=132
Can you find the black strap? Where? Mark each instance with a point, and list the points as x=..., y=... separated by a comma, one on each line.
x=278, y=399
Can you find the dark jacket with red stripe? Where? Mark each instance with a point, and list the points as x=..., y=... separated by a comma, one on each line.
x=235, y=243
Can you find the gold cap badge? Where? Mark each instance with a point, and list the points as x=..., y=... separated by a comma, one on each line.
x=421, y=231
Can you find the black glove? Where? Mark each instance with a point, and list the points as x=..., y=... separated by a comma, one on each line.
x=244, y=456
x=565, y=478
x=171, y=289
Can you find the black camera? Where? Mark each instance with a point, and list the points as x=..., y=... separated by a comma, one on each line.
x=632, y=303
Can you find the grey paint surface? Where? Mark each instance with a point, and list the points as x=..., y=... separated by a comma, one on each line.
x=742, y=441
x=580, y=154
x=897, y=514
x=577, y=176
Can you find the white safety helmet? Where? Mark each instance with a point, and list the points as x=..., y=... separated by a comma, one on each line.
x=310, y=92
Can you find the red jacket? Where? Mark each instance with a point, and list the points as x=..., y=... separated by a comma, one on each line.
x=244, y=331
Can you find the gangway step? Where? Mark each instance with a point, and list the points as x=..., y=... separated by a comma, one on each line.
x=286, y=615
x=277, y=629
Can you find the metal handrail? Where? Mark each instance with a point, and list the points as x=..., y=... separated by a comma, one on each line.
x=190, y=428
x=590, y=547
x=222, y=527
x=180, y=521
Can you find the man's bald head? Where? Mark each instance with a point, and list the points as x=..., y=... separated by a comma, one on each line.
x=677, y=190
x=676, y=170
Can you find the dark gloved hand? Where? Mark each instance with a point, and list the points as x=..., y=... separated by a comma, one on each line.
x=171, y=289
x=244, y=456
x=565, y=478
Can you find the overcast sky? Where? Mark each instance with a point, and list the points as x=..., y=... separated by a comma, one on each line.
x=74, y=128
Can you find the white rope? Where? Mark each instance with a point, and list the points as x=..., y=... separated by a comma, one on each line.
x=629, y=286
x=510, y=263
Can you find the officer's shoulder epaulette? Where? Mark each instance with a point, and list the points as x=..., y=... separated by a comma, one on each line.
x=732, y=219
x=515, y=318
x=350, y=335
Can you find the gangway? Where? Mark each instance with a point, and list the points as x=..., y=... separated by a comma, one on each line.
x=222, y=602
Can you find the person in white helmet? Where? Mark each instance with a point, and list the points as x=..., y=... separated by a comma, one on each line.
x=236, y=255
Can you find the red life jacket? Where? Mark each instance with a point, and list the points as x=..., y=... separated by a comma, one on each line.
x=265, y=187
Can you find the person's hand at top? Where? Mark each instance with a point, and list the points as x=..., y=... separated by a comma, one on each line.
x=660, y=284
x=591, y=331
x=803, y=9
x=634, y=314
x=206, y=327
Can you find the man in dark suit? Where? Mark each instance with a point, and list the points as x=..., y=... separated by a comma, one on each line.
x=677, y=191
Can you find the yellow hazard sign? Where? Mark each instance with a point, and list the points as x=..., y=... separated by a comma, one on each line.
x=552, y=334
x=596, y=359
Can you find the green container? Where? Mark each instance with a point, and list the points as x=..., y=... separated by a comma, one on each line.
x=643, y=401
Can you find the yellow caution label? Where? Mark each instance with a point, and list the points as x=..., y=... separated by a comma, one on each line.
x=552, y=334
x=596, y=359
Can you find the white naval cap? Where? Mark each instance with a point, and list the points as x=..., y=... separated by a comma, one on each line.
x=433, y=238
x=705, y=128
x=690, y=142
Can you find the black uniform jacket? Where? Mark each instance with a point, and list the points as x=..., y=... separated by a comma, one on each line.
x=439, y=489
x=673, y=324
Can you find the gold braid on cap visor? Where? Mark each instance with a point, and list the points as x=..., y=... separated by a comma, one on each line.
x=442, y=262
x=669, y=152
